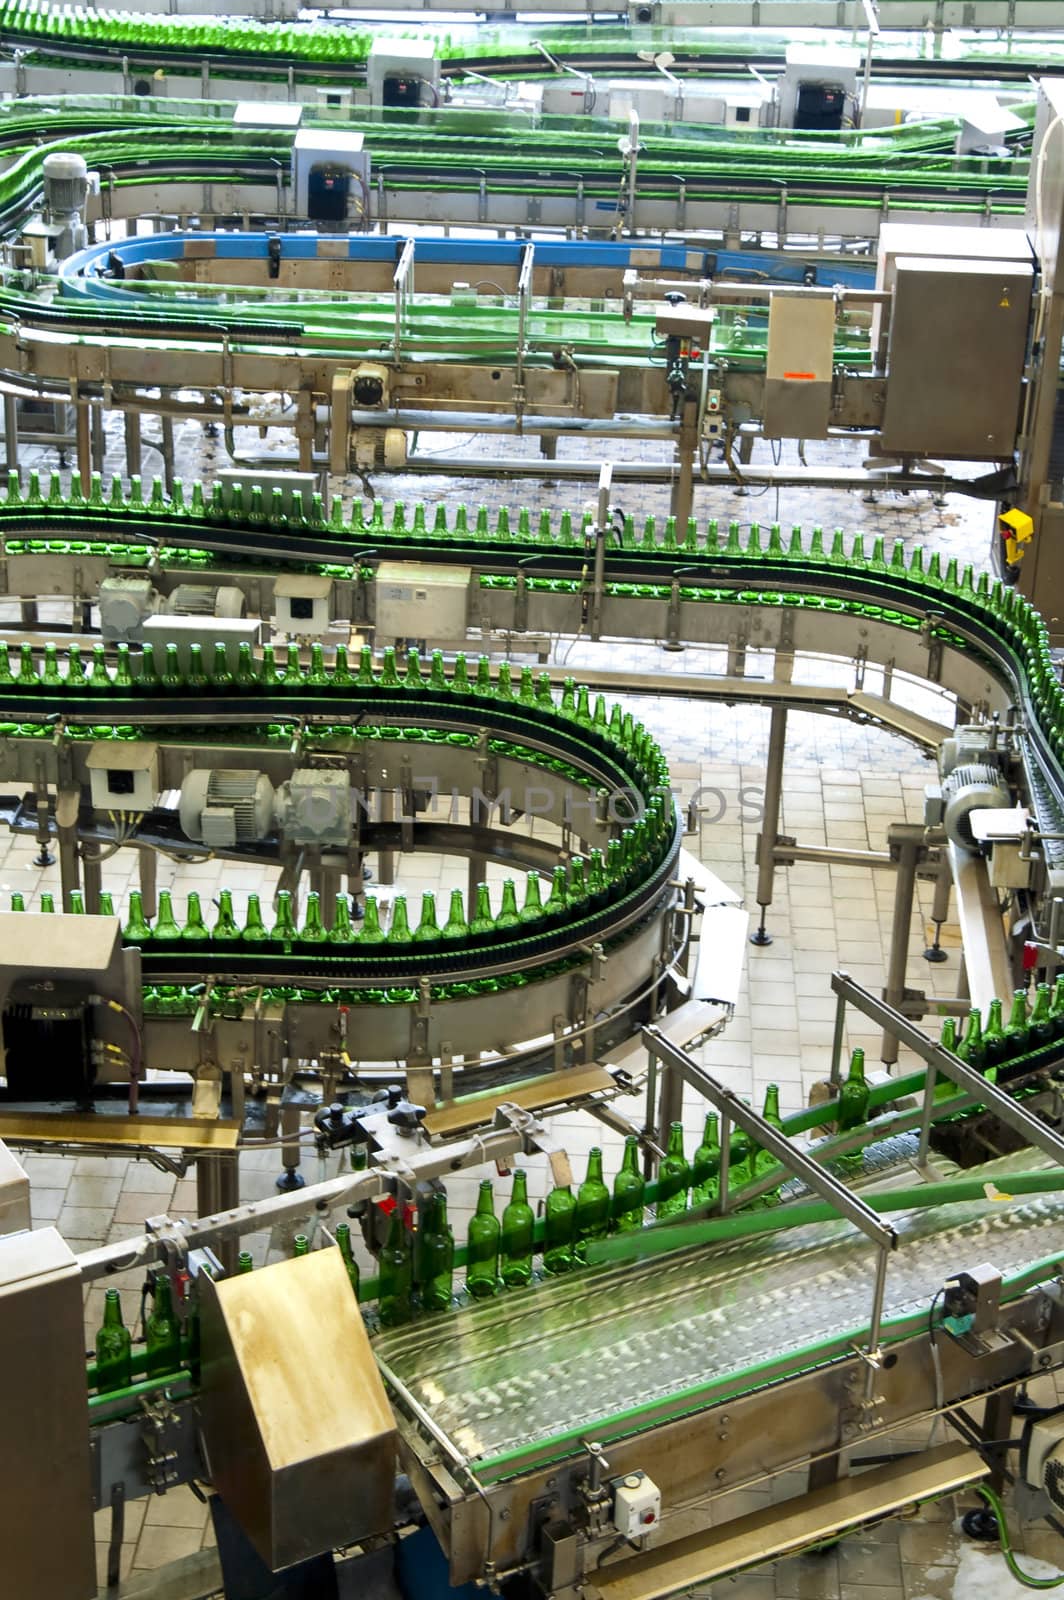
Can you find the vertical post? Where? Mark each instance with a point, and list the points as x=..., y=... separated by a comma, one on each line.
x=92, y=878
x=724, y=1171
x=133, y=450
x=147, y=882
x=940, y=907
x=305, y=429
x=904, y=887
x=11, y=432
x=386, y=858
x=835, y=1077
x=878, y=1295
x=648, y=1118
x=683, y=489
x=167, y=427
x=99, y=442
x=291, y=1177
x=770, y=822
x=218, y=1189
x=83, y=426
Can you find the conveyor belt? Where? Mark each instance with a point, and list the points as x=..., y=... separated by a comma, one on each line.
x=532, y=1374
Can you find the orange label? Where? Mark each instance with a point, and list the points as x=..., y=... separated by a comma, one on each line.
x=806, y=377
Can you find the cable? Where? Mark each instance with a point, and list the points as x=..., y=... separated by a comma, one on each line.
x=940, y=1398
x=1006, y=1545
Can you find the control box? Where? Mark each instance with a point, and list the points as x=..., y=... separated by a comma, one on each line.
x=330, y=176
x=123, y=777
x=403, y=73
x=636, y=1505
x=301, y=604
x=416, y=600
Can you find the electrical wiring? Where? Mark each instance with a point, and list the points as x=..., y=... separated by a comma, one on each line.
x=1015, y=1569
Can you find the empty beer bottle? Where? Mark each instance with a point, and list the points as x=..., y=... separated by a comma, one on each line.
x=509, y=916
x=343, y=1240
x=47, y=901
x=559, y=1230
x=161, y=1331
x=428, y=928
x=674, y=1176
x=254, y=927
x=313, y=929
x=77, y=903
x=341, y=931
x=944, y=1086
x=971, y=1048
x=166, y=924
x=705, y=1164
x=626, y=1212
x=995, y=1042
x=226, y=929
x=853, y=1096
x=284, y=929
x=437, y=1256
x=107, y=905
x=399, y=926
x=482, y=1256
x=592, y=1206
x=371, y=931
x=114, y=1348
x=518, y=1227
x=396, y=1274
x=456, y=926
x=136, y=929
x=1056, y=1008
x=301, y=1245
x=244, y=1263
x=483, y=919
x=1016, y=1026
x=195, y=927
x=1041, y=1021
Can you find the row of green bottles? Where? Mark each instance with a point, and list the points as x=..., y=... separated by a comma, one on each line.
x=1028, y=1028
x=114, y=1345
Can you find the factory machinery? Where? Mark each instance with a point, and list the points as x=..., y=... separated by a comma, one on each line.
x=882, y=1260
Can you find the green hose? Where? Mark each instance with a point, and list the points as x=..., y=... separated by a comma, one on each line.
x=1006, y=1547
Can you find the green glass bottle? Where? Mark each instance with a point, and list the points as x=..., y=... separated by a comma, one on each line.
x=123, y=668
x=18, y=901
x=342, y=931
x=705, y=1164
x=532, y=909
x=27, y=677
x=166, y=924
x=107, y=905
x=437, y=1256
x=371, y=931
x=995, y=1043
x=313, y=929
x=75, y=677
x=559, y=1230
x=518, y=1228
x=172, y=677
x=246, y=676
x=482, y=1246
x=114, y=1348
x=399, y=926
x=853, y=1096
x=771, y=1113
x=1041, y=1025
x=195, y=927
x=456, y=926
x=226, y=929
x=343, y=1240
x=1056, y=1007
x=395, y=1275
x=674, y=1176
x=944, y=1086
x=592, y=1205
x=136, y=929
x=971, y=1048
x=300, y=1245
x=221, y=677
x=77, y=903
x=244, y=1263
x=254, y=928
x=508, y=916
x=284, y=929
x=161, y=1331
x=47, y=901
x=196, y=676
x=1017, y=1026
x=626, y=1213
x=483, y=919
x=50, y=676
x=428, y=928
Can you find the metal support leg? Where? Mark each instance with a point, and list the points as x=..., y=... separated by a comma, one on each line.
x=66, y=827
x=92, y=878
x=305, y=430
x=44, y=856
x=940, y=907
x=83, y=425
x=28, y=613
x=167, y=426
x=683, y=488
x=11, y=433
x=904, y=888
x=147, y=875
x=218, y=1189
x=133, y=451
x=386, y=858
x=99, y=441
x=770, y=822
x=670, y=1103
x=997, y=1424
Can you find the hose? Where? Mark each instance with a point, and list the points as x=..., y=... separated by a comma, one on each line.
x=1006, y=1546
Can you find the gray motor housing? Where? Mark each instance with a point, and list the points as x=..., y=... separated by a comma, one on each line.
x=973, y=786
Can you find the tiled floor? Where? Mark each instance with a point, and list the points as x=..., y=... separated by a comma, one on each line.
x=844, y=784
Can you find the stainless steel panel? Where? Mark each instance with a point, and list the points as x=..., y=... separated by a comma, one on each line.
x=1045, y=192
x=957, y=341
x=46, y=1529
x=799, y=363
x=299, y=1434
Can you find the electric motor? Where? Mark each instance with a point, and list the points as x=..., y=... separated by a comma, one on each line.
x=971, y=787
